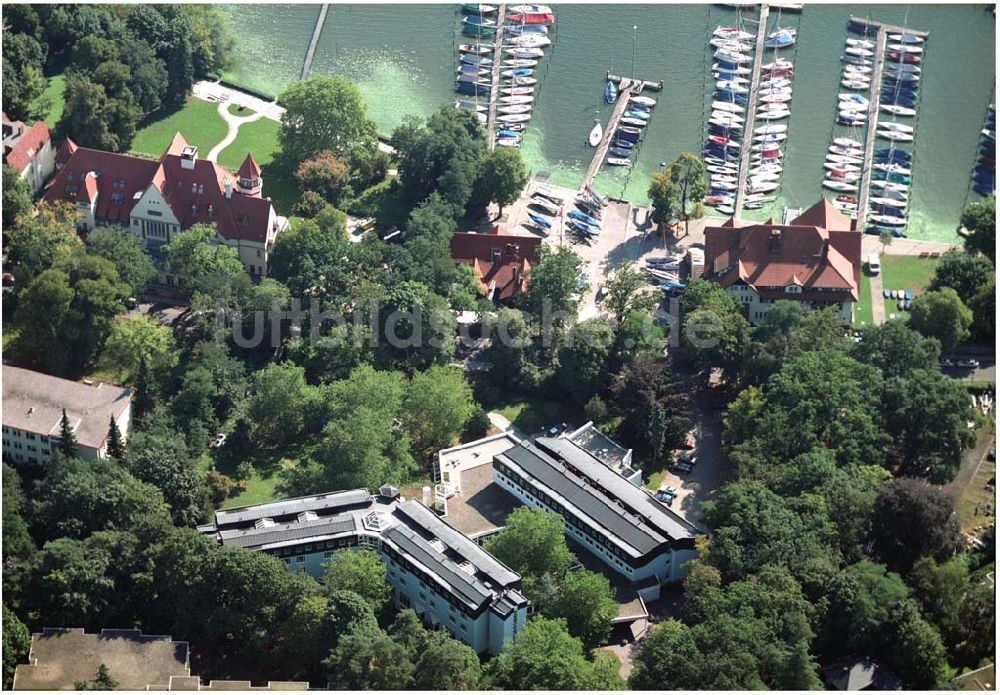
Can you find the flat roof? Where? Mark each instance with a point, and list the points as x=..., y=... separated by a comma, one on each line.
x=330, y=501
x=33, y=402
x=647, y=526
x=61, y=657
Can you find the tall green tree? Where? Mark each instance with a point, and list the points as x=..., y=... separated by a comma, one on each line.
x=894, y=349
x=532, y=545
x=16, y=197
x=67, y=438
x=554, y=287
x=664, y=195
x=586, y=602
x=360, y=571
x=688, y=176
x=943, y=315
x=137, y=340
x=502, y=177
x=116, y=445
x=624, y=293
x=276, y=409
x=437, y=405
x=324, y=113
x=127, y=252
x=16, y=643
x=980, y=219
x=963, y=272
x=914, y=519
x=583, y=358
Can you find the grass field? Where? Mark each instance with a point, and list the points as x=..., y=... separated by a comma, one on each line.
x=906, y=273
x=532, y=414
x=977, y=494
x=863, y=311
x=260, y=138
x=57, y=83
x=199, y=122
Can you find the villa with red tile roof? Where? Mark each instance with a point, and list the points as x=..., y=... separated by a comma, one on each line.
x=500, y=258
x=158, y=199
x=815, y=260
x=29, y=150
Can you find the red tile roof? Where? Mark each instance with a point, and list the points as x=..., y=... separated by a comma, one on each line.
x=66, y=150
x=27, y=145
x=824, y=261
x=194, y=195
x=249, y=169
x=501, y=259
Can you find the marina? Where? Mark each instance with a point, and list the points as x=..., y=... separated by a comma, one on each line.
x=495, y=87
x=406, y=70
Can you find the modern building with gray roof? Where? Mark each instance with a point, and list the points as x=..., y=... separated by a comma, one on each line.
x=621, y=524
x=449, y=580
x=33, y=405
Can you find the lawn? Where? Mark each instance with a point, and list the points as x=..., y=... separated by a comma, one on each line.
x=57, y=83
x=258, y=489
x=199, y=122
x=906, y=273
x=978, y=494
x=863, y=310
x=384, y=201
x=534, y=414
x=260, y=138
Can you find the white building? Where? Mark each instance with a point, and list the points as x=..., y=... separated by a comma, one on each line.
x=29, y=150
x=616, y=521
x=814, y=260
x=157, y=199
x=449, y=580
x=33, y=405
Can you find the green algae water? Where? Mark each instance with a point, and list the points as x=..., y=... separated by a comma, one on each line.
x=403, y=59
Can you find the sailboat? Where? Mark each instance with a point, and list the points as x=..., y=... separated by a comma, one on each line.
x=596, y=133
x=610, y=92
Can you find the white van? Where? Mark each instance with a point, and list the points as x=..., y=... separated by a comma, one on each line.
x=873, y=265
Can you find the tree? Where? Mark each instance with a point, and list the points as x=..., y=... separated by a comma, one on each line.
x=983, y=305
x=714, y=333
x=912, y=520
x=547, y=657
x=664, y=196
x=583, y=358
x=276, y=409
x=17, y=542
x=446, y=664
x=23, y=83
x=980, y=219
x=667, y=659
x=368, y=659
x=532, y=545
x=651, y=402
x=502, y=176
x=16, y=643
x=624, y=293
x=16, y=197
x=963, y=272
x=362, y=572
x=67, y=438
x=552, y=297
x=587, y=603
x=209, y=269
x=927, y=414
x=688, y=176
x=116, y=445
x=326, y=175
x=127, y=252
x=163, y=461
x=96, y=119
x=48, y=295
x=941, y=314
x=103, y=681
x=137, y=340
x=324, y=113
x=918, y=657
x=861, y=598
x=212, y=43
x=437, y=405
x=894, y=349
x=41, y=242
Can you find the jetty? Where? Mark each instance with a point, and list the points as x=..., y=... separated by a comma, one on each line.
x=311, y=52
x=626, y=88
x=758, y=57
x=655, y=86
x=491, y=115
x=882, y=32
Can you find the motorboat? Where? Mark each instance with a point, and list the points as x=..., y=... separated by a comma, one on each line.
x=475, y=49
x=524, y=52
x=515, y=99
x=472, y=70
x=596, y=134
x=840, y=186
x=514, y=108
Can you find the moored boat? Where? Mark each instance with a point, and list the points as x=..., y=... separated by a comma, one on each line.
x=596, y=133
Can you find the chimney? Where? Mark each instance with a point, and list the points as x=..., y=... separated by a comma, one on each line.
x=229, y=189
x=775, y=240
x=189, y=155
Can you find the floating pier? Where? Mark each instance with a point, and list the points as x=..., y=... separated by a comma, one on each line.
x=626, y=88
x=882, y=32
x=311, y=52
x=646, y=84
x=758, y=56
x=491, y=115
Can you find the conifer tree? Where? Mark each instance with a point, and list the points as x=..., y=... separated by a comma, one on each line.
x=116, y=446
x=67, y=440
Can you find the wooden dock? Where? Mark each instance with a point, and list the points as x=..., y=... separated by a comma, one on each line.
x=874, y=101
x=311, y=52
x=626, y=88
x=758, y=57
x=646, y=84
x=491, y=115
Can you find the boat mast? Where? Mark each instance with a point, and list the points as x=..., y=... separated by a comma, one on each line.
x=634, y=27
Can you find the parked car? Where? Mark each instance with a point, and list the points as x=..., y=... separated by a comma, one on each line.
x=970, y=363
x=945, y=362
x=690, y=458
x=664, y=497
x=219, y=440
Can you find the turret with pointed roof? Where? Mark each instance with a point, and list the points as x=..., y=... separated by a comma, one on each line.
x=248, y=177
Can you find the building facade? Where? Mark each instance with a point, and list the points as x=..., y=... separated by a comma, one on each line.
x=158, y=199
x=33, y=405
x=616, y=521
x=815, y=260
x=29, y=150
x=451, y=582
x=501, y=260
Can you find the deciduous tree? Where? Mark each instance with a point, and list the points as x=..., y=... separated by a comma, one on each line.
x=913, y=519
x=360, y=571
x=943, y=315
x=980, y=218
x=502, y=176
x=324, y=113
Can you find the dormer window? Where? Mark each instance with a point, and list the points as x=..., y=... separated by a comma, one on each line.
x=69, y=175
x=194, y=209
x=117, y=197
x=72, y=189
x=194, y=188
x=211, y=211
x=793, y=289
x=118, y=183
x=242, y=218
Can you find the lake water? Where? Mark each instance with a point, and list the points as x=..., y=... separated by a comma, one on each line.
x=403, y=59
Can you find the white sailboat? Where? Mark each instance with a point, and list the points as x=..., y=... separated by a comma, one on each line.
x=596, y=133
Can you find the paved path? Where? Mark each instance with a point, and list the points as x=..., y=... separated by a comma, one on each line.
x=214, y=91
x=234, y=123
x=878, y=301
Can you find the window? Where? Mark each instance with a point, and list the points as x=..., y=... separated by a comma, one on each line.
x=194, y=188
x=118, y=183
x=300, y=559
x=117, y=197
x=154, y=213
x=72, y=189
